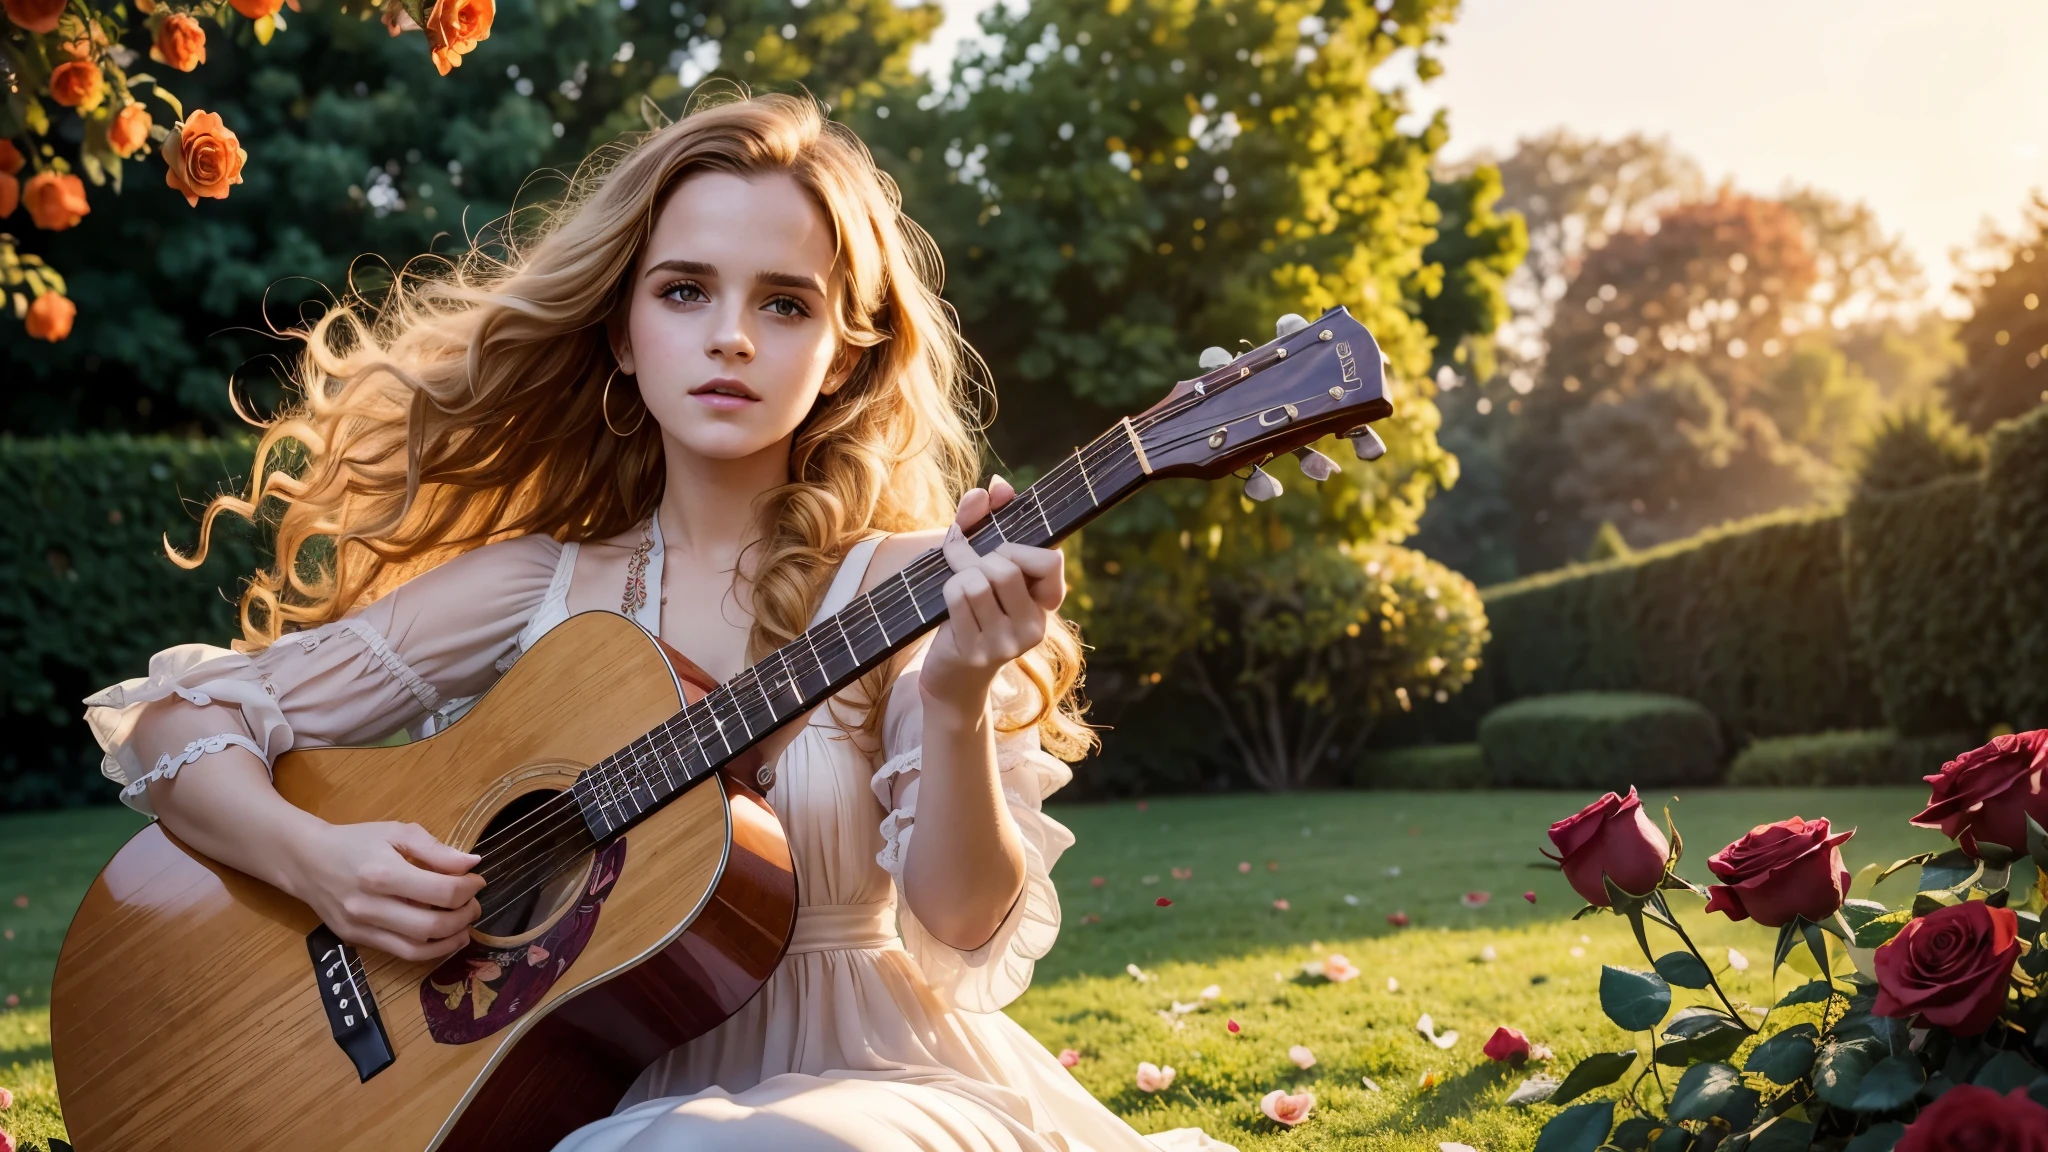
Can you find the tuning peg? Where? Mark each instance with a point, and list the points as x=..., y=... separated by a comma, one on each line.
x=1262, y=485
x=1367, y=443
x=1214, y=358
x=1288, y=325
x=1315, y=465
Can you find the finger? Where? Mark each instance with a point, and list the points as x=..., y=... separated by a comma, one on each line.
x=973, y=506
x=425, y=951
x=961, y=610
x=414, y=922
x=433, y=889
x=1013, y=597
x=981, y=599
x=1044, y=572
x=428, y=852
x=959, y=550
x=999, y=492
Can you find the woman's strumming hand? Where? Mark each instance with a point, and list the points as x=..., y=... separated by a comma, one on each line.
x=388, y=886
x=998, y=607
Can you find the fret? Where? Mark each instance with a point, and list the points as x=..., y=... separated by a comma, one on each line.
x=739, y=706
x=876, y=613
x=1038, y=502
x=1085, y=481
x=903, y=574
x=840, y=624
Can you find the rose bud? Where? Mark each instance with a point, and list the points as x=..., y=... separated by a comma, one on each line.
x=1778, y=871
x=1949, y=969
x=1614, y=836
x=1988, y=793
x=1970, y=1118
x=1507, y=1045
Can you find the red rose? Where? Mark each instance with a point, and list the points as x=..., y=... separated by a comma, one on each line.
x=1968, y=1118
x=1987, y=794
x=1507, y=1044
x=1778, y=871
x=1614, y=836
x=1950, y=967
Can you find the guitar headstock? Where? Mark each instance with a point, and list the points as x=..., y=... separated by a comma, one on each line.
x=1322, y=378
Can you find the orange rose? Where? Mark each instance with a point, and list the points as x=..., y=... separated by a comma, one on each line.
x=10, y=159
x=50, y=317
x=180, y=43
x=34, y=15
x=129, y=131
x=204, y=158
x=10, y=194
x=78, y=84
x=55, y=201
x=455, y=26
x=257, y=9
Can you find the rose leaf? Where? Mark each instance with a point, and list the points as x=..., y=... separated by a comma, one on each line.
x=1683, y=969
x=1890, y=1083
x=1633, y=1134
x=1580, y=1128
x=1812, y=992
x=1949, y=871
x=1634, y=1000
x=1879, y=930
x=1782, y=1135
x=1784, y=1058
x=1700, y=1034
x=1879, y=1138
x=1703, y=1091
x=2037, y=844
x=1838, y=1074
x=2005, y=1072
x=1595, y=1071
x=1787, y=937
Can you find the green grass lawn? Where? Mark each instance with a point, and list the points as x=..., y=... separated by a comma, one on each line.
x=1342, y=861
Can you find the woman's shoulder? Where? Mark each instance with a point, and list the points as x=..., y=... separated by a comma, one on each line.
x=896, y=551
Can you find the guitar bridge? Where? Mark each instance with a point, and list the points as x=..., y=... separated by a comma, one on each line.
x=351, y=1009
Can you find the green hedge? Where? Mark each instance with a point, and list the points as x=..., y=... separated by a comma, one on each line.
x=1837, y=759
x=86, y=594
x=1426, y=767
x=2014, y=522
x=1923, y=589
x=1748, y=620
x=1602, y=740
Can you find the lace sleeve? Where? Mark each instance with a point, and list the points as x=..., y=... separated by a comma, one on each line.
x=443, y=634
x=987, y=978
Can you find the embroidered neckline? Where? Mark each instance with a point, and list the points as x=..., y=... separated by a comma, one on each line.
x=635, y=597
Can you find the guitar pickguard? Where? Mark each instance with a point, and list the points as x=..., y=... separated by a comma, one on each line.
x=481, y=989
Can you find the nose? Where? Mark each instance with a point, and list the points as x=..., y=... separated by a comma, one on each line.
x=730, y=339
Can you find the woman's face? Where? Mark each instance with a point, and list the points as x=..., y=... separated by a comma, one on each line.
x=730, y=330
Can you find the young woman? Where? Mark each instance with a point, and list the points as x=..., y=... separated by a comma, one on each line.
x=717, y=393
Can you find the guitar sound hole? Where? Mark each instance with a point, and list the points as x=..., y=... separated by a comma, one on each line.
x=523, y=896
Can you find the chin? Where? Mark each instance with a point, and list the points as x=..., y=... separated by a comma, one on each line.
x=728, y=442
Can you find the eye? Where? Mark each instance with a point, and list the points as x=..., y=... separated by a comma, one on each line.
x=787, y=306
x=684, y=292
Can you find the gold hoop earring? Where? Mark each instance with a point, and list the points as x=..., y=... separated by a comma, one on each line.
x=604, y=407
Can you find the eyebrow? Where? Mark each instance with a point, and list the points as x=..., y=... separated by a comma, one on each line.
x=778, y=279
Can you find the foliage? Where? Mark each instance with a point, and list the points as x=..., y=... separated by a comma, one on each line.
x=1425, y=766
x=1607, y=740
x=1844, y=759
x=1295, y=652
x=1608, y=544
x=2015, y=525
x=2006, y=337
x=86, y=593
x=1748, y=620
x=357, y=149
x=1916, y=445
x=1822, y=1060
x=1936, y=647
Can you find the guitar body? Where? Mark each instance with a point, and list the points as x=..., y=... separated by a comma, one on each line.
x=188, y=1007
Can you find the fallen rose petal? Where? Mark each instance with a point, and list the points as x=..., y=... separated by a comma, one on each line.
x=1398, y=919
x=1272, y=865
x=1577, y=951
x=13, y=1001
x=1738, y=961
x=1182, y=1009
x=6, y=1142
x=1539, y=1052
x=1154, y=1078
x=1091, y=918
x=1283, y=1107
x=1137, y=973
x=1427, y=1027
x=6, y=1099
x=1338, y=969
x=21, y=901
x=1429, y=1080
x=1393, y=985
x=1302, y=1057
x=1069, y=1057
x=1534, y=1090
x=1454, y=1146
x=9, y=933
x=1475, y=899
x=1312, y=968
x=1148, y=880
x=1212, y=992
x=1281, y=905
x=1530, y=896
x=1244, y=865
x=1507, y=1045
x=1096, y=881
x=1369, y=1085
x=1487, y=955
x=1351, y=900
x=1183, y=873
x=1163, y=902
x=1142, y=805
x=1394, y=870
x=1231, y=1025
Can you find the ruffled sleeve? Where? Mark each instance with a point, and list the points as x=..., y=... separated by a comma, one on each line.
x=446, y=633
x=987, y=978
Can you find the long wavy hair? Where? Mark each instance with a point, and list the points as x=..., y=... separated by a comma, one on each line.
x=464, y=405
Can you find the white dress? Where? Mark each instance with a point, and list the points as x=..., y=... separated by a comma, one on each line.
x=871, y=1035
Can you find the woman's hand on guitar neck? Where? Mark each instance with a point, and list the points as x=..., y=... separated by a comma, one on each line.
x=388, y=886
x=998, y=606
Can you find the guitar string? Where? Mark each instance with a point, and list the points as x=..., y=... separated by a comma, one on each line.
x=1063, y=488
x=567, y=812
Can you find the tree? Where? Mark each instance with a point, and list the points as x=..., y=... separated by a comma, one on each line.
x=361, y=158
x=2006, y=337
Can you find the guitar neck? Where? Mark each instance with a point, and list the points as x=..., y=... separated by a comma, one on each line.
x=828, y=656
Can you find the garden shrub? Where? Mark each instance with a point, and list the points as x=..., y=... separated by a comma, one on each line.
x=2014, y=524
x=1606, y=740
x=1923, y=595
x=87, y=595
x=1837, y=759
x=1428, y=767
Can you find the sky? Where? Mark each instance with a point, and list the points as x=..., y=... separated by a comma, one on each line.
x=1934, y=114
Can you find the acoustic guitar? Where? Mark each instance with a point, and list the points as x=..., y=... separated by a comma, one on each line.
x=640, y=889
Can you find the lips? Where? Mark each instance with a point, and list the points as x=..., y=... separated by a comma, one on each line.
x=725, y=388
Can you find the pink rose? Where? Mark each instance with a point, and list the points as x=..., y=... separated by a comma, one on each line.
x=1988, y=793
x=1778, y=871
x=1949, y=968
x=1069, y=1057
x=1507, y=1045
x=1153, y=1078
x=1282, y=1108
x=1614, y=836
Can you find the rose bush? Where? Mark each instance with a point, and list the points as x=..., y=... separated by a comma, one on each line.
x=1778, y=871
x=1950, y=968
x=1611, y=836
x=1972, y=1119
x=1988, y=794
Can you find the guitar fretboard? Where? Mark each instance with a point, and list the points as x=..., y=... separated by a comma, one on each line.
x=838, y=650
